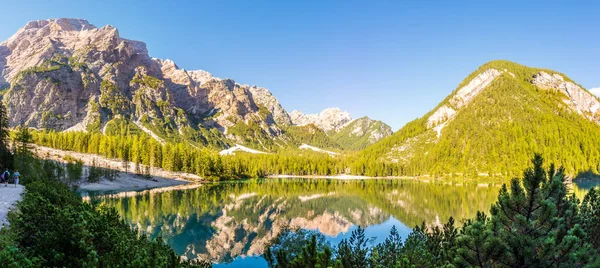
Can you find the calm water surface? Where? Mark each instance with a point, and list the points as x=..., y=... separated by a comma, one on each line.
x=230, y=223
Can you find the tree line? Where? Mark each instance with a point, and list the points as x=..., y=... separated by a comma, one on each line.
x=144, y=151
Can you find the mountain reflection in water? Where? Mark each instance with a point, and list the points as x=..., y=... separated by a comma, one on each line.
x=227, y=221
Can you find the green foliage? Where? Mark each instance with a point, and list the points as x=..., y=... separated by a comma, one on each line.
x=253, y=135
x=121, y=127
x=354, y=251
x=298, y=248
x=22, y=139
x=536, y=223
x=311, y=135
x=52, y=227
x=40, y=69
x=590, y=215
x=5, y=154
x=94, y=173
x=3, y=91
x=77, y=234
x=74, y=170
x=148, y=81
x=113, y=99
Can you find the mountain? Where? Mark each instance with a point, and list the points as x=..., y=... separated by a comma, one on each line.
x=69, y=75
x=495, y=120
x=330, y=119
x=595, y=91
x=360, y=133
x=348, y=133
x=66, y=74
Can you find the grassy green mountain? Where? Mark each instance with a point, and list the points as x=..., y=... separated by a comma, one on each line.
x=310, y=134
x=361, y=133
x=494, y=121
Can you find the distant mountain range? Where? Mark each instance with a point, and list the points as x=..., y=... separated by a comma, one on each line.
x=68, y=75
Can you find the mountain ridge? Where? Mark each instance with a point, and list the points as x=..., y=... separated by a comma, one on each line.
x=67, y=74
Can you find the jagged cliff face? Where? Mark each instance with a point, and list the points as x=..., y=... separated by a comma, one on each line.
x=68, y=74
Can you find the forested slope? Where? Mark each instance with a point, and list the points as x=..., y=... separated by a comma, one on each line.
x=510, y=112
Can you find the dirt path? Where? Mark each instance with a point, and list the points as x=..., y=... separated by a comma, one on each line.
x=8, y=197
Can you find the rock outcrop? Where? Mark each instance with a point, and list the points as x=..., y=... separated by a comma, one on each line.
x=579, y=99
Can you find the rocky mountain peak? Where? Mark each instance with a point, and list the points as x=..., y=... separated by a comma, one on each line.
x=201, y=76
x=68, y=74
x=60, y=24
x=328, y=119
x=41, y=40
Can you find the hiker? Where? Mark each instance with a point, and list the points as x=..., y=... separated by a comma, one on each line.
x=6, y=175
x=16, y=176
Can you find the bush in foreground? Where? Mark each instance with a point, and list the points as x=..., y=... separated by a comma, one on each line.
x=52, y=227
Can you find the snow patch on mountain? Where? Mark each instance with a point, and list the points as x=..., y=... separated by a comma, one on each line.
x=316, y=149
x=237, y=147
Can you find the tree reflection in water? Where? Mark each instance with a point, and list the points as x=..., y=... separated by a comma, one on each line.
x=223, y=221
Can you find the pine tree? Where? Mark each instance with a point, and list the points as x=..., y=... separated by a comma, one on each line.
x=94, y=172
x=533, y=224
x=5, y=154
x=354, y=251
x=387, y=254
x=590, y=217
x=23, y=155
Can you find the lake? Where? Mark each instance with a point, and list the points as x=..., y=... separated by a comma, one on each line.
x=230, y=223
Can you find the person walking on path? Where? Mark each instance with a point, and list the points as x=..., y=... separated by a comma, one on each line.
x=6, y=175
x=16, y=176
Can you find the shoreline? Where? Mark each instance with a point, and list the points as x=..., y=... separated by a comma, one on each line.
x=128, y=182
x=124, y=181
x=337, y=177
x=130, y=193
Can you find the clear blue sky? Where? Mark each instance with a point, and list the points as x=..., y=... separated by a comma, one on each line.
x=390, y=60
